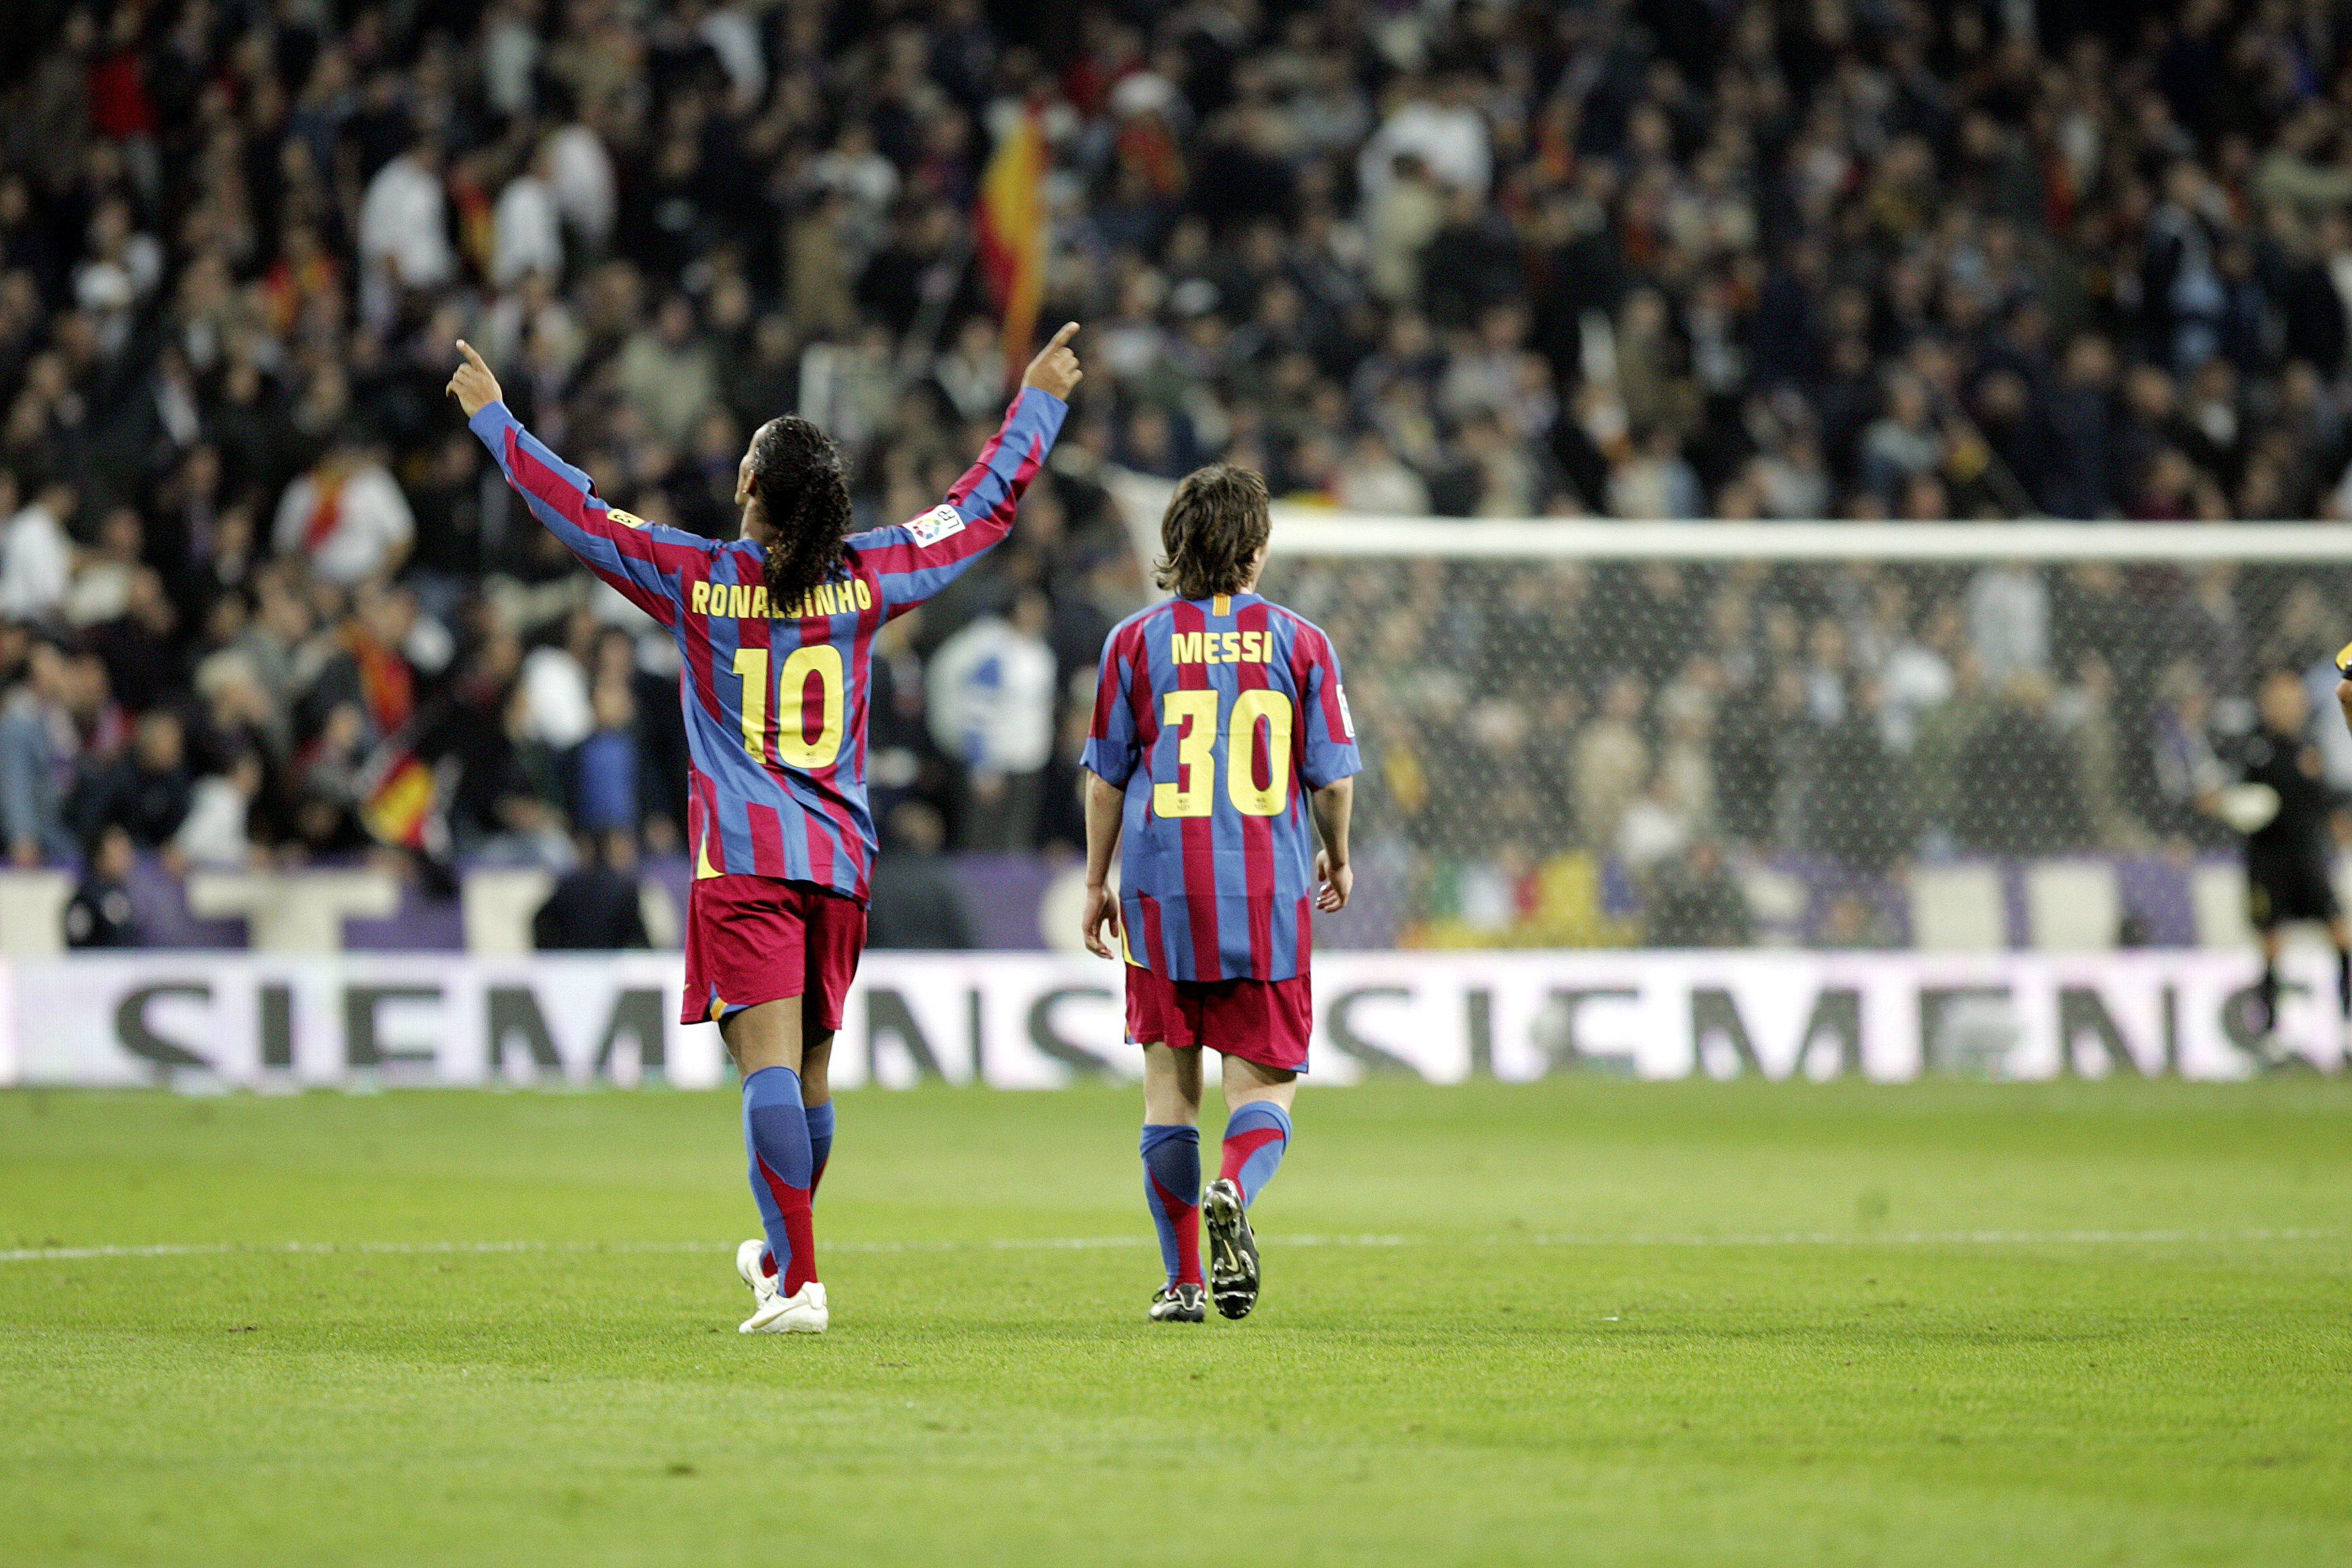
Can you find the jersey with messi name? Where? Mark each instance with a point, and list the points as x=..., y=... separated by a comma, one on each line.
x=775, y=694
x=1217, y=716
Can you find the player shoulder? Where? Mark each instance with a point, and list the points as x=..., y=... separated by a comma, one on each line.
x=1281, y=618
x=1140, y=624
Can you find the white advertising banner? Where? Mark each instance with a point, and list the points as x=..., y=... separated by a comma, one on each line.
x=1029, y=1021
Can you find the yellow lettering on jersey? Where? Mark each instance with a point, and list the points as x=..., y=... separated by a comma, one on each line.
x=865, y=595
x=831, y=598
x=760, y=602
x=698, y=600
x=738, y=600
x=1179, y=650
x=1229, y=648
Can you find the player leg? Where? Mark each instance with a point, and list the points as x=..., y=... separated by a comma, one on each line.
x=836, y=939
x=747, y=965
x=832, y=936
x=2263, y=914
x=1261, y=1081
x=2340, y=934
x=1257, y=1131
x=1157, y=1021
x=1172, y=1176
x=816, y=1100
x=1257, y=1124
x=816, y=1095
x=765, y=1040
x=2269, y=992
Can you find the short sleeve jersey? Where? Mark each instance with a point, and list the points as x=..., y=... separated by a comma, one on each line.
x=1217, y=717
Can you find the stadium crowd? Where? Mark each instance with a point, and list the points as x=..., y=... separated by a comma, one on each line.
x=1642, y=259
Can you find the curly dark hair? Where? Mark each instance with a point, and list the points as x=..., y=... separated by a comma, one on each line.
x=804, y=496
x=1215, y=524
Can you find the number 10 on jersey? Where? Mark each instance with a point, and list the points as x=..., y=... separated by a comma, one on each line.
x=1194, y=715
x=794, y=746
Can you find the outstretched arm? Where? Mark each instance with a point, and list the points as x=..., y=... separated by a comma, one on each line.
x=641, y=560
x=916, y=560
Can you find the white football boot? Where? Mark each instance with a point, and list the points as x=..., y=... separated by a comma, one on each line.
x=802, y=1313
x=747, y=1264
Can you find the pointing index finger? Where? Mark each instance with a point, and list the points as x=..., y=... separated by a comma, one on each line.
x=1068, y=332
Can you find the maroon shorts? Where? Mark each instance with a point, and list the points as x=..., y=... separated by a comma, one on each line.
x=750, y=939
x=1262, y=1021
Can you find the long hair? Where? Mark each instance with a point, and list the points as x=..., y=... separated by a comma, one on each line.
x=1216, y=523
x=805, y=498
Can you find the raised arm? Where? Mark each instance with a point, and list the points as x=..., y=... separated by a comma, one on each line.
x=640, y=558
x=916, y=560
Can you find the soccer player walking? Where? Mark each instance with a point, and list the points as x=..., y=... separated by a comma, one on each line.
x=1223, y=755
x=777, y=629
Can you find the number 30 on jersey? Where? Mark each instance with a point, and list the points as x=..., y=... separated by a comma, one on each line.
x=1194, y=715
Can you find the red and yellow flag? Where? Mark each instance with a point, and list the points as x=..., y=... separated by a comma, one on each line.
x=1012, y=233
x=397, y=808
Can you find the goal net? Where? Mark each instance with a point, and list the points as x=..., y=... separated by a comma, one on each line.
x=1950, y=736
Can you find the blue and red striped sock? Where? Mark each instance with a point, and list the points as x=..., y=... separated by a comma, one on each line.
x=776, y=1135
x=1172, y=1186
x=1256, y=1136
x=820, y=1130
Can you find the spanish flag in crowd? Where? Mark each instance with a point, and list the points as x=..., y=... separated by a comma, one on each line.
x=1012, y=226
x=400, y=798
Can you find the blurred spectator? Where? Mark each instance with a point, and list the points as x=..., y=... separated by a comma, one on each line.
x=99, y=914
x=38, y=741
x=1697, y=903
x=146, y=793
x=36, y=558
x=345, y=516
x=919, y=903
x=599, y=906
x=605, y=767
x=667, y=372
x=213, y=833
x=403, y=227
x=990, y=694
x=1611, y=761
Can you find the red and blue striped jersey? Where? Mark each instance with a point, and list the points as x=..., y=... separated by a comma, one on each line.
x=775, y=694
x=1216, y=716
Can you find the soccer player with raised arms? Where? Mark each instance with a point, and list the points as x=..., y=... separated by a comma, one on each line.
x=1222, y=757
x=777, y=629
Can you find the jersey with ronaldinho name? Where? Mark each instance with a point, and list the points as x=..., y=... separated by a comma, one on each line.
x=775, y=694
x=1217, y=716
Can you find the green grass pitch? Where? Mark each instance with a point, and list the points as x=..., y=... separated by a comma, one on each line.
x=1574, y=1321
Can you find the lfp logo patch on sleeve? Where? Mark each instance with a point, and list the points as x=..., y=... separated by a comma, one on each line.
x=936, y=524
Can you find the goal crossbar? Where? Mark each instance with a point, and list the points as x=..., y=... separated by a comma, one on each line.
x=1318, y=533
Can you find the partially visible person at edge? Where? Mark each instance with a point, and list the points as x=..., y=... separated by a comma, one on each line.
x=1223, y=755
x=777, y=629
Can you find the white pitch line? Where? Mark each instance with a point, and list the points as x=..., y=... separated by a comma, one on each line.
x=1089, y=1243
